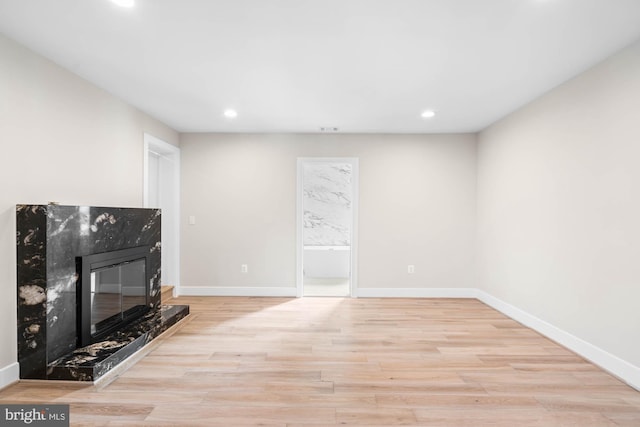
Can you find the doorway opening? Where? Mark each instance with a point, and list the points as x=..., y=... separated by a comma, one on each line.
x=327, y=226
x=162, y=190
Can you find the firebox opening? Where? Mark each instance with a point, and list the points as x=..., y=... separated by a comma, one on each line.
x=113, y=291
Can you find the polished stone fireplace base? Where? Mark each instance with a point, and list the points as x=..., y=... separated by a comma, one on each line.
x=92, y=362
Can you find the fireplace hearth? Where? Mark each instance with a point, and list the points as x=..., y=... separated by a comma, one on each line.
x=108, y=258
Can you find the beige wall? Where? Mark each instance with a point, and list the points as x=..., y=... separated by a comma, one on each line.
x=65, y=140
x=559, y=207
x=417, y=206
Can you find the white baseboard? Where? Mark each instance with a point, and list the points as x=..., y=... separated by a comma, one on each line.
x=256, y=291
x=416, y=292
x=622, y=369
x=9, y=375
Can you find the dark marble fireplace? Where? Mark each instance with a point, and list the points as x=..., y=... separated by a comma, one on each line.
x=53, y=244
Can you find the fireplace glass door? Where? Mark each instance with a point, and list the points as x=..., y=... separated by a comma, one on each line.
x=115, y=291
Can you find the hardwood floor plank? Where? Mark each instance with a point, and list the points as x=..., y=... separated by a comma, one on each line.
x=397, y=377
x=375, y=416
x=508, y=418
x=242, y=414
x=587, y=404
x=98, y=412
x=205, y=422
x=385, y=387
x=291, y=398
x=308, y=388
x=624, y=419
x=126, y=396
x=457, y=402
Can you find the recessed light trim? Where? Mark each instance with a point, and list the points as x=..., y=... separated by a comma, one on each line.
x=230, y=114
x=124, y=3
x=427, y=114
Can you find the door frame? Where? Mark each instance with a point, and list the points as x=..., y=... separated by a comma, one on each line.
x=156, y=145
x=353, y=161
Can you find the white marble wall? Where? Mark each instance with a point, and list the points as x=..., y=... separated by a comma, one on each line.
x=327, y=204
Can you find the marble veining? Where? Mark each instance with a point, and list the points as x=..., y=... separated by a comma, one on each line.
x=327, y=202
x=31, y=271
x=93, y=361
x=49, y=238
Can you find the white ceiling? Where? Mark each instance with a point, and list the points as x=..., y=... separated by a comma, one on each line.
x=298, y=65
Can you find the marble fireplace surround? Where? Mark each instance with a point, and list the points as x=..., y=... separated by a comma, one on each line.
x=49, y=238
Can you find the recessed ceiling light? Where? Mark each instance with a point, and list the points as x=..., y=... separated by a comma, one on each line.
x=124, y=3
x=230, y=114
x=428, y=114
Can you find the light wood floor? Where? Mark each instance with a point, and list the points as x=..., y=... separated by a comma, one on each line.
x=326, y=287
x=335, y=361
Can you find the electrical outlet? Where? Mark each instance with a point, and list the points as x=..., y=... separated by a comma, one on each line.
x=192, y=220
x=244, y=268
x=411, y=269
